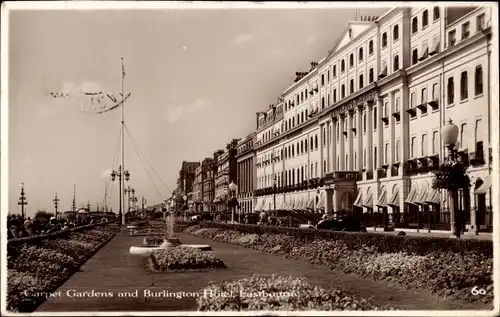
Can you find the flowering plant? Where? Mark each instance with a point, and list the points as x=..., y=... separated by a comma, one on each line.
x=183, y=258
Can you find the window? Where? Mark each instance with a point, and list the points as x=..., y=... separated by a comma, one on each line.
x=425, y=19
x=451, y=38
x=451, y=88
x=413, y=100
x=397, y=104
x=384, y=40
x=463, y=86
x=334, y=71
x=307, y=114
x=423, y=145
x=351, y=89
x=386, y=106
x=375, y=157
x=316, y=141
x=324, y=166
x=301, y=146
x=293, y=151
x=322, y=80
x=310, y=175
x=414, y=56
x=311, y=144
x=335, y=95
x=351, y=60
x=423, y=96
x=364, y=123
x=324, y=136
x=328, y=100
x=364, y=158
x=435, y=141
x=434, y=92
x=465, y=30
x=413, y=145
x=436, y=13
x=477, y=135
x=370, y=47
x=478, y=80
x=342, y=66
x=286, y=125
x=374, y=118
x=297, y=148
x=397, y=151
x=305, y=145
x=355, y=163
x=386, y=153
x=342, y=92
x=414, y=25
x=316, y=169
x=360, y=54
x=396, y=63
x=360, y=81
x=306, y=93
x=370, y=76
x=395, y=33
x=480, y=25
x=323, y=103
x=463, y=136
x=328, y=76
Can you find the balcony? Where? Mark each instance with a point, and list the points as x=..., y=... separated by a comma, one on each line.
x=381, y=173
x=369, y=175
x=412, y=112
x=434, y=104
x=477, y=157
x=433, y=162
x=422, y=166
x=423, y=107
x=395, y=170
x=410, y=167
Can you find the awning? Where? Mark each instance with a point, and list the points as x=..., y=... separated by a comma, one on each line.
x=321, y=203
x=258, y=205
x=433, y=197
x=368, y=203
x=394, y=201
x=298, y=204
x=424, y=54
x=279, y=204
x=420, y=200
x=412, y=196
x=382, y=201
x=310, y=204
x=485, y=186
x=435, y=46
x=383, y=73
x=359, y=199
x=291, y=204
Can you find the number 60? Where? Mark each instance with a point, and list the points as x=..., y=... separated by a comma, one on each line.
x=475, y=291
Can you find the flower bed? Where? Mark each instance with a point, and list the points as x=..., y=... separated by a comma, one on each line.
x=273, y=293
x=37, y=267
x=441, y=273
x=183, y=258
x=153, y=240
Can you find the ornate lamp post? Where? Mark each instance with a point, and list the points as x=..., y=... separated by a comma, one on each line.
x=185, y=198
x=22, y=200
x=56, y=202
x=234, y=202
x=451, y=176
x=122, y=177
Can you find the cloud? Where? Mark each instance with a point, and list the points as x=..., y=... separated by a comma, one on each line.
x=242, y=38
x=106, y=173
x=276, y=52
x=311, y=39
x=176, y=113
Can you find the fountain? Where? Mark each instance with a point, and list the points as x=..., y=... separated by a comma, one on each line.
x=170, y=240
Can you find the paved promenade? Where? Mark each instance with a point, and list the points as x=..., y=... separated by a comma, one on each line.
x=113, y=269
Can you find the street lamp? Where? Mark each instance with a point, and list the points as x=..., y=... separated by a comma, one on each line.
x=88, y=206
x=451, y=176
x=185, y=198
x=22, y=200
x=122, y=177
x=232, y=188
x=56, y=202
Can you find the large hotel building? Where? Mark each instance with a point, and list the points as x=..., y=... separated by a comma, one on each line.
x=360, y=131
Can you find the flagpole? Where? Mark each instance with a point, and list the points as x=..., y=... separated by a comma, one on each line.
x=123, y=145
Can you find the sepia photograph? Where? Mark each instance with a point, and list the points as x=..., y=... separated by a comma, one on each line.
x=249, y=158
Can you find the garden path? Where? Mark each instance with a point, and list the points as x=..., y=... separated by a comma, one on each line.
x=113, y=269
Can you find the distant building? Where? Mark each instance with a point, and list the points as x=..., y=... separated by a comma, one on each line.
x=226, y=173
x=186, y=179
x=246, y=173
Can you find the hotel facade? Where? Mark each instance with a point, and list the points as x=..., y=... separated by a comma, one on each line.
x=360, y=131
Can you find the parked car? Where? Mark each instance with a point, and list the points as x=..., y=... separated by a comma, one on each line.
x=342, y=224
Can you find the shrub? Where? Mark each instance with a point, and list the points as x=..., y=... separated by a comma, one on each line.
x=153, y=240
x=183, y=258
x=277, y=293
x=443, y=273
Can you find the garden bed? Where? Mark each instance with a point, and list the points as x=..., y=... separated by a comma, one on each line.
x=37, y=267
x=274, y=293
x=451, y=272
x=183, y=258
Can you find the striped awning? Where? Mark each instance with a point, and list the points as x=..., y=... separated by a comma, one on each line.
x=359, y=199
x=424, y=54
x=420, y=200
x=279, y=204
x=382, y=201
x=291, y=204
x=485, y=186
x=412, y=196
x=368, y=202
x=394, y=201
x=435, y=46
x=383, y=73
x=310, y=204
x=433, y=197
x=321, y=202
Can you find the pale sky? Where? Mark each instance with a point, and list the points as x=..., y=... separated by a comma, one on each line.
x=196, y=79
